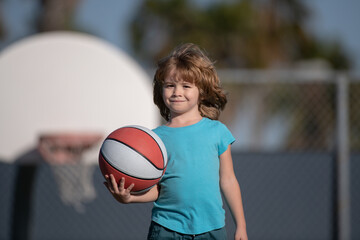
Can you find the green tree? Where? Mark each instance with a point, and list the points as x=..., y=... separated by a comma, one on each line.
x=56, y=15
x=245, y=33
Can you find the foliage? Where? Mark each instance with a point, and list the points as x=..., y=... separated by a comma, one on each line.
x=243, y=33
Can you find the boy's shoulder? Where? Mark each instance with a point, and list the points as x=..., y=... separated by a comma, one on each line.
x=214, y=122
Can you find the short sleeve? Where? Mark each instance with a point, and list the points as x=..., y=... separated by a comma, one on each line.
x=225, y=138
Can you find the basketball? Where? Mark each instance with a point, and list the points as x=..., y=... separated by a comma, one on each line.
x=135, y=153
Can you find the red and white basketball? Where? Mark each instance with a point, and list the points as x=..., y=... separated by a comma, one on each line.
x=135, y=153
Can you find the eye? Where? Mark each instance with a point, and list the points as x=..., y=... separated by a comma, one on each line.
x=169, y=85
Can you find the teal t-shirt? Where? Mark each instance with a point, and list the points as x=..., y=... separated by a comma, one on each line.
x=190, y=199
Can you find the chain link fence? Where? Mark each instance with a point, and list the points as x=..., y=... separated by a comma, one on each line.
x=286, y=158
x=298, y=131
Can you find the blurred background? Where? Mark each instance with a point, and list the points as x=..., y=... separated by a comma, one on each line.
x=292, y=72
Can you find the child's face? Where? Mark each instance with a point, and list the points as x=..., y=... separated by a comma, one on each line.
x=180, y=96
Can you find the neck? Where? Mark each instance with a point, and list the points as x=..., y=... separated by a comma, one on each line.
x=183, y=121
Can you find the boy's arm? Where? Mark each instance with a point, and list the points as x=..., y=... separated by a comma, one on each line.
x=123, y=195
x=231, y=190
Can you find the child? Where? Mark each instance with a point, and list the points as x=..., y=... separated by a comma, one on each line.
x=188, y=203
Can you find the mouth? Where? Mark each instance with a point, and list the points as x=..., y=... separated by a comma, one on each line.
x=176, y=101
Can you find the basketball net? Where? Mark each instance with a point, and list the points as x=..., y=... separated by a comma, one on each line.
x=71, y=158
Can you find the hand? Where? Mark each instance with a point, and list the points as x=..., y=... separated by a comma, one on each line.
x=241, y=234
x=119, y=192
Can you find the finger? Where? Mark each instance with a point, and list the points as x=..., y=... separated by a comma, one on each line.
x=107, y=178
x=108, y=183
x=130, y=187
x=113, y=183
x=122, y=184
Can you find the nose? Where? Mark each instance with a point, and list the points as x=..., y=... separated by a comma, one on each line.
x=177, y=91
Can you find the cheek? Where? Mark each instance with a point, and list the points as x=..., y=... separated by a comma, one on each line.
x=164, y=93
x=201, y=94
x=165, y=96
x=197, y=95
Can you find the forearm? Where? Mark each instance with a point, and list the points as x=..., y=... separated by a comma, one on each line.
x=231, y=190
x=149, y=196
x=232, y=193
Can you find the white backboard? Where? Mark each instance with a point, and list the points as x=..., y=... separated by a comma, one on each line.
x=68, y=82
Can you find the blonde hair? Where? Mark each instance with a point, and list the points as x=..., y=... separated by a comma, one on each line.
x=190, y=64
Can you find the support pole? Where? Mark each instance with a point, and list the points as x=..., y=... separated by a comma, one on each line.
x=21, y=215
x=343, y=159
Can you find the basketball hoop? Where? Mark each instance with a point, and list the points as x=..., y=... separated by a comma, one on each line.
x=71, y=158
x=65, y=148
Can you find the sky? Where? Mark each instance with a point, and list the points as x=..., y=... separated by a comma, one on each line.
x=338, y=20
x=331, y=19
